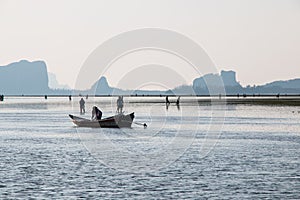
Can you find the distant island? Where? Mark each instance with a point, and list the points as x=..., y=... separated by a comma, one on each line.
x=24, y=77
x=32, y=78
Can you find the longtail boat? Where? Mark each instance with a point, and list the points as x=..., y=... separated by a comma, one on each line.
x=117, y=121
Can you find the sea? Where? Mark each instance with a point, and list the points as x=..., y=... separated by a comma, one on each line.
x=187, y=151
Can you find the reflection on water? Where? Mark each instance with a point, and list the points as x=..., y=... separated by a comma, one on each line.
x=43, y=156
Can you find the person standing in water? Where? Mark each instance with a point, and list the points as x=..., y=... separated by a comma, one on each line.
x=167, y=100
x=178, y=103
x=120, y=104
x=96, y=113
x=82, y=106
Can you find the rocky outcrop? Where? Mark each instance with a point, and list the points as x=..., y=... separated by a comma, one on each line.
x=101, y=87
x=217, y=83
x=24, y=77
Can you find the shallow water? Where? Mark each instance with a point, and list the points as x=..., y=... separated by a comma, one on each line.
x=180, y=155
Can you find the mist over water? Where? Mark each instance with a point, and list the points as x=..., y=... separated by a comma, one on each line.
x=43, y=155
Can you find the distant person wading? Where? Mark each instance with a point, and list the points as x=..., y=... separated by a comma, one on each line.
x=82, y=106
x=120, y=104
x=167, y=100
x=178, y=101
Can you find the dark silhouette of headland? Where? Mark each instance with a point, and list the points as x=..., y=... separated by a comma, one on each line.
x=24, y=77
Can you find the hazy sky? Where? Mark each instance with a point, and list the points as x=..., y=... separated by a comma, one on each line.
x=259, y=39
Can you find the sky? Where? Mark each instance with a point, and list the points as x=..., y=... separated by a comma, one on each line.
x=259, y=39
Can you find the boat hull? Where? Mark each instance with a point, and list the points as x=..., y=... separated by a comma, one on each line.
x=117, y=121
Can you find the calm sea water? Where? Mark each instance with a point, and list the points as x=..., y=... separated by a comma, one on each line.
x=181, y=155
